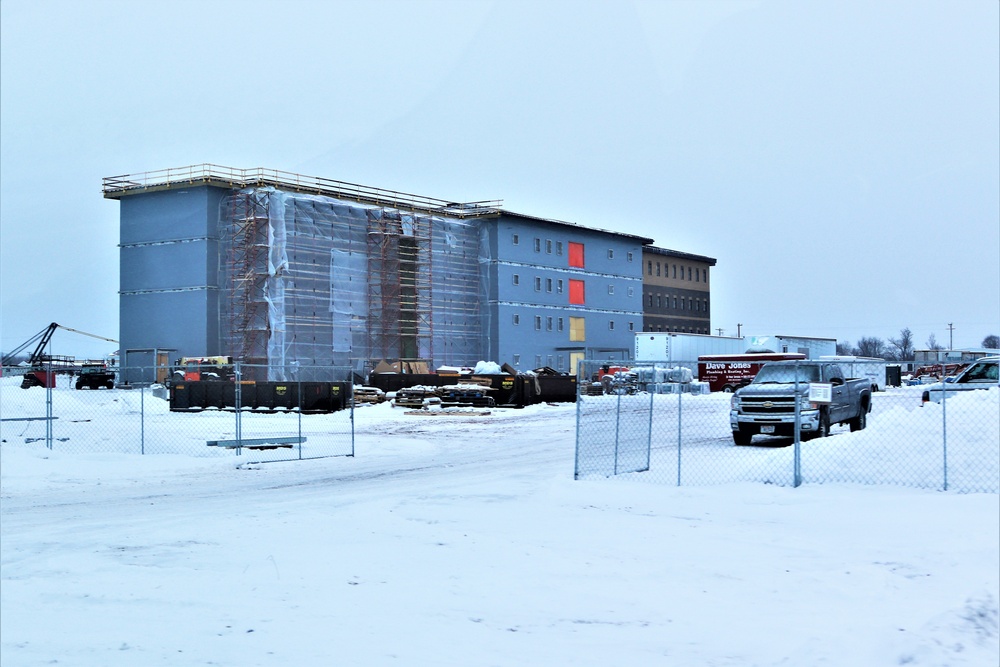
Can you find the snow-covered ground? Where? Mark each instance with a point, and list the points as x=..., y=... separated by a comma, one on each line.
x=464, y=540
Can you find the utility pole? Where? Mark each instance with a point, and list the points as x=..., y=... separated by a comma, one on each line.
x=951, y=336
x=720, y=331
x=738, y=330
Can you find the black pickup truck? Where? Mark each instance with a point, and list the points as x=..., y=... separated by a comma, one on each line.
x=767, y=405
x=95, y=376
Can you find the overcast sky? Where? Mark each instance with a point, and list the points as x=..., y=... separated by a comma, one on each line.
x=840, y=160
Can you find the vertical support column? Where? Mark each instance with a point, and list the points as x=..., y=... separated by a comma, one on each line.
x=797, y=464
x=944, y=427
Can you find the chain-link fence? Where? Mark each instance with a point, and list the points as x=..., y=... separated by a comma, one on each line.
x=237, y=411
x=654, y=422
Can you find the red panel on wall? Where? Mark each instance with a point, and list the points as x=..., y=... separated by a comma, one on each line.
x=577, y=294
x=576, y=254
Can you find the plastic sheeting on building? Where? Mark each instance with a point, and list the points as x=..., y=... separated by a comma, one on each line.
x=316, y=281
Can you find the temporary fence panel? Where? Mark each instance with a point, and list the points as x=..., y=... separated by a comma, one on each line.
x=132, y=419
x=951, y=444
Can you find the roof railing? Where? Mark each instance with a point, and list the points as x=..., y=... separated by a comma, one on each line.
x=116, y=186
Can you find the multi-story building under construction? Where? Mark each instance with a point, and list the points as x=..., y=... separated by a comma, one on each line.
x=287, y=271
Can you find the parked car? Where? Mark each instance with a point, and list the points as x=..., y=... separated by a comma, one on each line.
x=983, y=374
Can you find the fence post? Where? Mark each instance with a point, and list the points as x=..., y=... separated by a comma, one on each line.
x=944, y=425
x=649, y=437
x=142, y=418
x=238, y=390
x=50, y=379
x=618, y=419
x=797, y=465
x=299, y=394
x=679, y=410
x=351, y=388
x=579, y=403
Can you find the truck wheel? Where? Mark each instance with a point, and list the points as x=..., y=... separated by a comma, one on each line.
x=79, y=385
x=110, y=384
x=741, y=438
x=859, y=422
x=728, y=389
x=824, y=425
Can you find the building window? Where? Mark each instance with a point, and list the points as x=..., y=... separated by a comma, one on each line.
x=631, y=291
x=548, y=246
x=649, y=267
x=611, y=253
x=548, y=284
x=629, y=257
x=559, y=248
x=576, y=258
x=611, y=289
x=675, y=270
x=689, y=273
x=515, y=239
x=657, y=268
x=631, y=326
x=559, y=286
x=548, y=324
x=675, y=303
x=538, y=284
x=577, y=292
x=517, y=279
x=560, y=362
x=538, y=361
x=538, y=322
x=697, y=276
x=577, y=329
x=517, y=319
x=704, y=275
x=658, y=303
x=559, y=324
x=517, y=359
x=611, y=325
x=538, y=245
x=650, y=300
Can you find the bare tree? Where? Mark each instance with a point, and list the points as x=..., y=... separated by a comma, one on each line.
x=871, y=346
x=903, y=345
x=844, y=348
x=992, y=341
x=932, y=343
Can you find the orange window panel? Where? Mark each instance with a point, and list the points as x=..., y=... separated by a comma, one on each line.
x=576, y=255
x=577, y=292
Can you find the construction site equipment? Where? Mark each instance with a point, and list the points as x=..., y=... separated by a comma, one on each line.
x=44, y=367
x=306, y=397
x=510, y=390
x=203, y=369
x=364, y=395
x=95, y=376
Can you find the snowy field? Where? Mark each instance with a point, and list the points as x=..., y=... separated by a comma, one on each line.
x=464, y=540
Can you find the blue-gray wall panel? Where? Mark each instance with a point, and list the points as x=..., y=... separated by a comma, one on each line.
x=178, y=320
x=183, y=213
x=169, y=265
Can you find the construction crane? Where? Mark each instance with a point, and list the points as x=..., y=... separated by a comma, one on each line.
x=41, y=373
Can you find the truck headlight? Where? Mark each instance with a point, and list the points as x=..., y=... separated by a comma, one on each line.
x=734, y=402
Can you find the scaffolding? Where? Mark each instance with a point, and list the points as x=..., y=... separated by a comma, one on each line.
x=247, y=274
x=400, y=280
x=314, y=280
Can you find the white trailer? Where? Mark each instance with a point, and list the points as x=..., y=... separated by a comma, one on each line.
x=872, y=368
x=663, y=346
x=812, y=347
